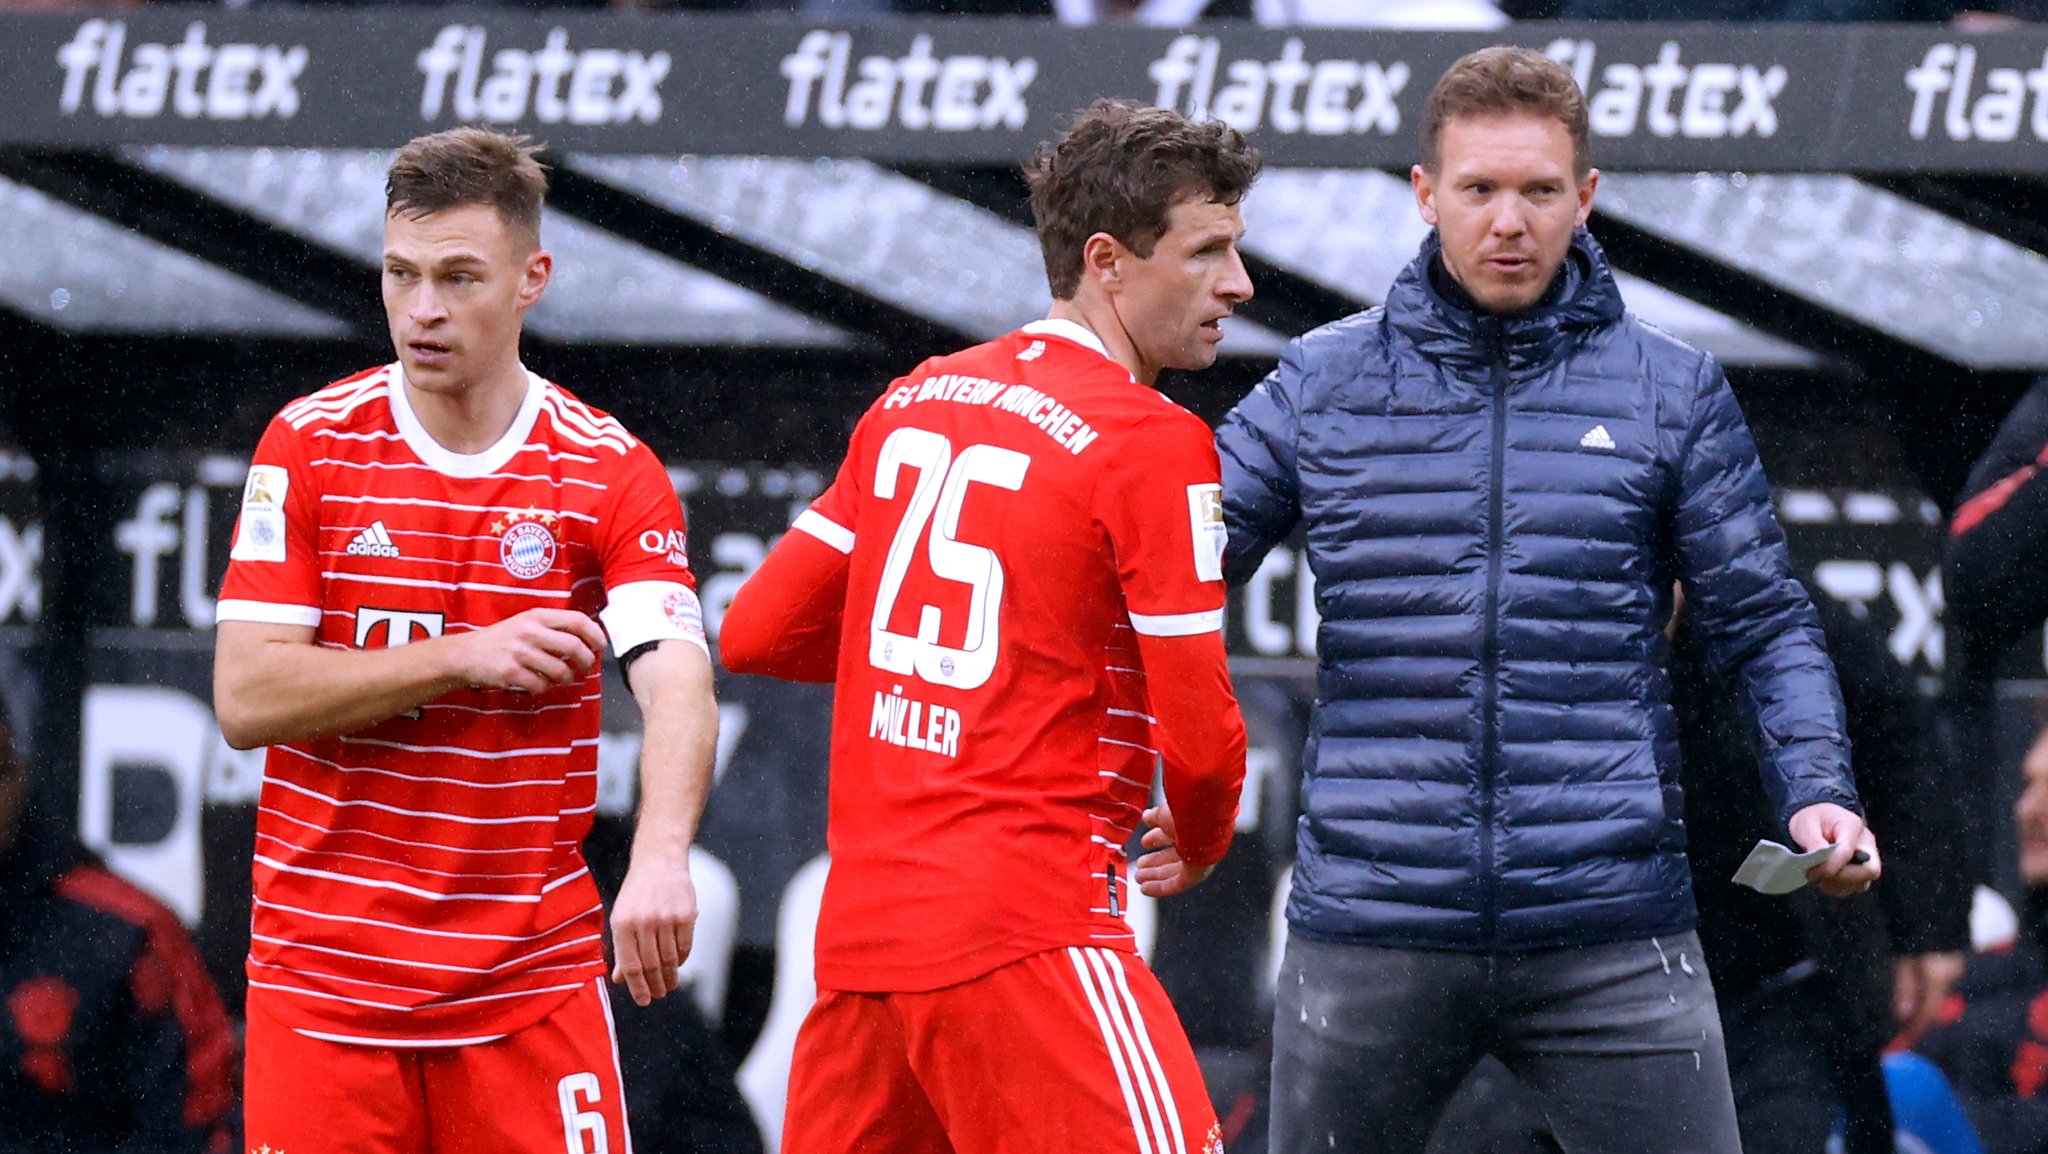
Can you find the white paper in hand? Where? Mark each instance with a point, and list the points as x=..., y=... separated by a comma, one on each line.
x=1774, y=869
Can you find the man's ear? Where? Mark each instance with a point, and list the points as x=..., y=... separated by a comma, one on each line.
x=1586, y=187
x=1102, y=261
x=539, y=268
x=1425, y=193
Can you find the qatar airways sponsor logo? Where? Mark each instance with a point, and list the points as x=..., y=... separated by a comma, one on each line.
x=918, y=90
x=1953, y=95
x=1290, y=94
x=553, y=84
x=193, y=78
x=1672, y=97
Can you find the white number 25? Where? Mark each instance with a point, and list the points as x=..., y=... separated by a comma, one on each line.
x=942, y=481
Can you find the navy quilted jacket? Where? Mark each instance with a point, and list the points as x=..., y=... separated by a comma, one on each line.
x=1495, y=510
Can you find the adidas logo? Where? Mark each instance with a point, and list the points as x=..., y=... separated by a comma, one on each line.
x=1036, y=351
x=374, y=541
x=1597, y=438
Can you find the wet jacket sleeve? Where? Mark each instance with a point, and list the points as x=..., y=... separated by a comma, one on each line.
x=1760, y=627
x=1256, y=445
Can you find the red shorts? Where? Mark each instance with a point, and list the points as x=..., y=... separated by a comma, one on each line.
x=551, y=1087
x=1068, y=1050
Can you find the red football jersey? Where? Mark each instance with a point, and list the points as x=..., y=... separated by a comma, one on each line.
x=1011, y=515
x=422, y=881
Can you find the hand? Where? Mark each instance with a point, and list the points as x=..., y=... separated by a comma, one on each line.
x=1161, y=873
x=1920, y=984
x=653, y=922
x=1830, y=824
x=533, y=652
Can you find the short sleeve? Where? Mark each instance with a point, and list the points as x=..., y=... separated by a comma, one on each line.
x=834, y=516
x=273, y=573
x=650, y=592
x=1160, y=499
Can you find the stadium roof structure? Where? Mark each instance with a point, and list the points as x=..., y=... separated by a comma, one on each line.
x=761, y=251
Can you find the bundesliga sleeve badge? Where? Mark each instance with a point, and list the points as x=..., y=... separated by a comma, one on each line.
x=527, y=545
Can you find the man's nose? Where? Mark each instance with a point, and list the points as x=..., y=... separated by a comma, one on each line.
x=426, y=304
x=1236, y=285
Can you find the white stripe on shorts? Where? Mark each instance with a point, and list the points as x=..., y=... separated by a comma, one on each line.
x=1142, y=1081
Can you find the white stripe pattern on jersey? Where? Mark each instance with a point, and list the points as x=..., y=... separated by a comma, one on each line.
x=825, y=529
x=421, y=501
x=448, y=586
x=558, y=927
x=335, y=401
x=454, y=849
x=574, y=416
x=339, y=463
x=410, y=1009
x=1177, y=624
x=582, y=428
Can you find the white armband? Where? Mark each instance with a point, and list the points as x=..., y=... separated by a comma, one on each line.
x=642, y=611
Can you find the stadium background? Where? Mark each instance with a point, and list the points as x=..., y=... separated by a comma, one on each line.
x=750, y=244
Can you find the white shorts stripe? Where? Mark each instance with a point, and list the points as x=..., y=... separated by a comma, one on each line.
x=825, y=529
x=604, y=997
x=1141, y=1074
x=1115, y=964
x=1177, y=624
x=1109, y=1042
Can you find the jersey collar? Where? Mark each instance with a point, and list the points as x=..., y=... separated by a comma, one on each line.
x=448, y=462
x=1068, y=330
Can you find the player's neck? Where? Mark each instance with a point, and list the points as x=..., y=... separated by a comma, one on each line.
x=1099, y=318
x=472, y=417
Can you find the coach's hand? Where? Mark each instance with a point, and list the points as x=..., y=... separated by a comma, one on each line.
x=1161, y=873
x=653, y=922
x=1830, y=824
x=534, y=651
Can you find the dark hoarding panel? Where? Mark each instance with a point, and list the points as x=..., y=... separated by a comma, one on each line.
x=1680, y=97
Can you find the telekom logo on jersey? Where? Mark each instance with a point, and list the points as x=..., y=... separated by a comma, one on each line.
x=401, y=626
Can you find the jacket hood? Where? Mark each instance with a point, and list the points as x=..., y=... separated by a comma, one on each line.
x=1458, y=336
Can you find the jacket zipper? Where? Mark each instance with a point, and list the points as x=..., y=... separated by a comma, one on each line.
x=1490, y=713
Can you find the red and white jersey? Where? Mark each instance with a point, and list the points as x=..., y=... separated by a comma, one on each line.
x=422, y=881
x=1013, y=516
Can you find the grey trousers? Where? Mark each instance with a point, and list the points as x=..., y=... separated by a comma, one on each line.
x=1620, y=1042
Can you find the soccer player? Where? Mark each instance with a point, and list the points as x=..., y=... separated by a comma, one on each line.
x=410, y=621
x=1015, y=582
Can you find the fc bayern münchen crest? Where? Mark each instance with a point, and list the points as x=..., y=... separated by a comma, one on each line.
x=527, y=547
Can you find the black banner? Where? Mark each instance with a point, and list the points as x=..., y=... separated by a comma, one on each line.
x=1850, y=98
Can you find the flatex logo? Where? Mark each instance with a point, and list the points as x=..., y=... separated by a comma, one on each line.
x=1708, y=101
x=1997, y=114
x=918, y=90
x=195, y=79
x=1291, y=94
x=558, y=84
